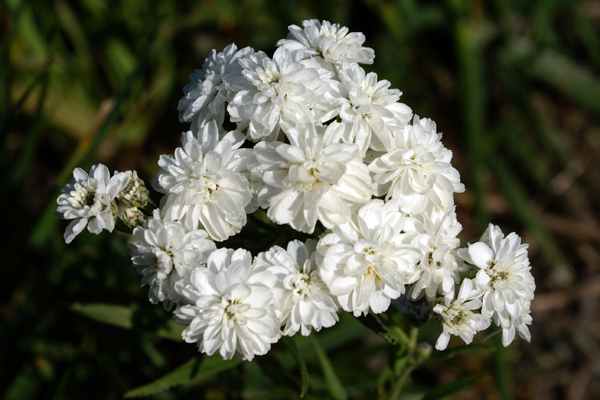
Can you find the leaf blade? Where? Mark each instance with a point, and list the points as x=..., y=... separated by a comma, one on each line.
x=334, y=385
x=193, y=369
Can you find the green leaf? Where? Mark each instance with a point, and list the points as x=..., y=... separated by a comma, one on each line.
x=336, y=390
x=567, y=77
x=449, y=353
x=451, y=387
x=120, y=316
x=193, y=369
x=292, y=346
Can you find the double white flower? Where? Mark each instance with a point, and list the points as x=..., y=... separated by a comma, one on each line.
x=310, y=179
x=416, y=170
x=89, y=200
x=203, y=183
x=213, y=86
x=328, y=41
x=283, y=91
x=505, y=279
x=165, y=255
x=305, y=302
x=364, y=262
x=232, y=314
x=457, y=316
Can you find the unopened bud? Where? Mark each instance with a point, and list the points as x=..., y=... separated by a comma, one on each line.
x=132, y=217
x=135, y=193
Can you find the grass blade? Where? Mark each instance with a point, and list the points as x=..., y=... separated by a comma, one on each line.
x=291, y=345
x=191, y=370
x=334, y=385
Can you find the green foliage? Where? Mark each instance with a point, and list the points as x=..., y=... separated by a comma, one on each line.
x=195, y=369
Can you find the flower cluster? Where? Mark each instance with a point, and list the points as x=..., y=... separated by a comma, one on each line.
x=324, y=148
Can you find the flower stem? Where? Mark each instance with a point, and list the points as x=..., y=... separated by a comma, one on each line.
x=411, y=364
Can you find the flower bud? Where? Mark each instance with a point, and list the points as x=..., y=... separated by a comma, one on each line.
x=135, y=193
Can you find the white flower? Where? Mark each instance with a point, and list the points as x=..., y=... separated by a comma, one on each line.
x=213, y=86
x=309, y=180
x=329, y=41
x=283, y=90
x=364, y=262
x=416, y=170
x=203, y=183
x=457, y=317
x=165, y=255
x=504, y=272
x=434, y=233
x=232, y=314
x=370, y=106
x=305, y=300
x=89, y=200
x=511, y=325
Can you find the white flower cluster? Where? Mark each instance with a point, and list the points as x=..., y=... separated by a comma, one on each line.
x=327, y=149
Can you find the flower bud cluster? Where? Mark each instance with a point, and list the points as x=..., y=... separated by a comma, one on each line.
x=329, y=150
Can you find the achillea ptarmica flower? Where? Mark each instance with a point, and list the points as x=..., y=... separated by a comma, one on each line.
x=309, y=180
x=504, y=276
x=233, y=313
x=364, y=262
x=434, y=232
x=370, y=106
x=89, y=200
x=457, y=316
x=305, y=302
x=416, y=170
x=329, y=41
x=165, y=255
x=213, y=86
x=203, y=184
x=282, y=92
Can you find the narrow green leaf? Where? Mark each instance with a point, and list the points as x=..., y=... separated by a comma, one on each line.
x=451, y=387
x=568, y=78
x=122, y=317
x=440, y=356
x=109, y=314
x=469, y=55
x=171, y=331
x=193, y=369
x=291, y=345
x=336, y=390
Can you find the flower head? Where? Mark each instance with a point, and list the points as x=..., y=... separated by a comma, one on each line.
x=329, y=41
x=457, y=316
x=504, y=272
x=364, y=262
x=416, y=169
x=89, y=200
x=233, y=312
x=165, y=255
x=213, y=86
x=309, y=179
x=203, y=184
x=305, y=302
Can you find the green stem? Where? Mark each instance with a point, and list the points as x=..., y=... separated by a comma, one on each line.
x=411, y=364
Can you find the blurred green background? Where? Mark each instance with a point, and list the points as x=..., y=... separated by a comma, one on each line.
x=514, y=86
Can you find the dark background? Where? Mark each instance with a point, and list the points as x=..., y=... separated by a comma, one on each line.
x=512, y=84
